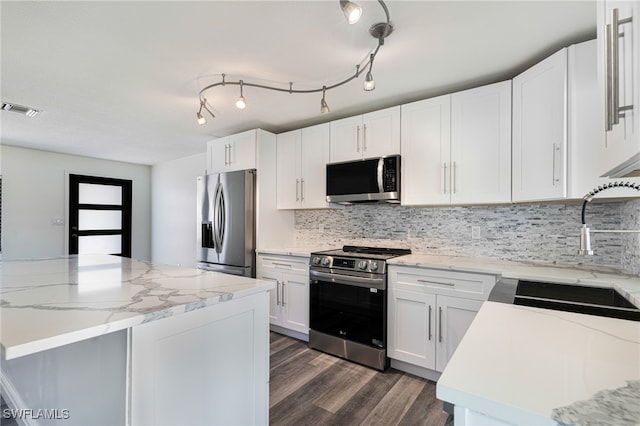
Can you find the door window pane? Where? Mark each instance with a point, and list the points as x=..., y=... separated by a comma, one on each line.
x=99, y=219
x=104, y=244
x=89, y=193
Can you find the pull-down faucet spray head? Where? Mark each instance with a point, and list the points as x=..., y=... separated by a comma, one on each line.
x=585, y=237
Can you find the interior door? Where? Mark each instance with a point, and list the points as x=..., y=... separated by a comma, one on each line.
x=99, y=215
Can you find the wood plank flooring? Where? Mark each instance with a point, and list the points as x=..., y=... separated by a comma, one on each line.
x=308, y=387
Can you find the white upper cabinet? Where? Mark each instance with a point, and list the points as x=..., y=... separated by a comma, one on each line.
x=456, y=148
x=374, y=134
x=619, y=81
x=539, y=130
x=230, y=153
x=481, y=145
x=426, y=151
x=302, y=156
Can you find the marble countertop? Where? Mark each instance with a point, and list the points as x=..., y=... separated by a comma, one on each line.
x=45, y=303
x=289, y=251
x=628, y=285
x=535, y=366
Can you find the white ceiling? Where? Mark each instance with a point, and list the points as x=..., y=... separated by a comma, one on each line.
x=120, y=79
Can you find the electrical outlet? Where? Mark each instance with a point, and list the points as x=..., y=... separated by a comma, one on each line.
x=475, y=232
x=56, y=221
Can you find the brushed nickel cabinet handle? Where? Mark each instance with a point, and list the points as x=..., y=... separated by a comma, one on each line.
x=440, y=324
x=430, y=334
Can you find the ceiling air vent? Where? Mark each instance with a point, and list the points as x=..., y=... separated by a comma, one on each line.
x=29, y=112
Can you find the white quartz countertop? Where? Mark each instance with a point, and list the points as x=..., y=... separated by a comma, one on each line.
x=628, y=285
x=532, y=366
x=289, y=251
x=45, y=303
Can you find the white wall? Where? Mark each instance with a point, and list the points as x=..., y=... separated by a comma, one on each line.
x=35, y=191
x=173, y=220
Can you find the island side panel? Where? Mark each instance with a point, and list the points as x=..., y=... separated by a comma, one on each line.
x=82, y=383
x=209, y=366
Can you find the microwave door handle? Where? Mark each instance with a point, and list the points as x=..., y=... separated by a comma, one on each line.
x=380, y=174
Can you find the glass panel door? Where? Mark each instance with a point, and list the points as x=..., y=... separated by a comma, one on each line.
x=99, y=215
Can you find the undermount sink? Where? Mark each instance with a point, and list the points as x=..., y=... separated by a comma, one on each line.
x=600, y=301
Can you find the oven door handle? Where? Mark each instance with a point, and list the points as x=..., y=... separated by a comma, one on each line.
x=378, y=282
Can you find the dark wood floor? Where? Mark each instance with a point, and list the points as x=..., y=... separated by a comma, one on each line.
x=308, y=387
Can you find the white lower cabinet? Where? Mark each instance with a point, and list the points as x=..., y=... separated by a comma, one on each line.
x=430, y=312
x=289, y=301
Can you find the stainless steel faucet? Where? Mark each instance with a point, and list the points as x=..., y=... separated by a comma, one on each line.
x=585, y=237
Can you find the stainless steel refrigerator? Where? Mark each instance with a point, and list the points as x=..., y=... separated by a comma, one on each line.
x=226, y=222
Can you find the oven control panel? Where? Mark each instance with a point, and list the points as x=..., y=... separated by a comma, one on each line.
x=348, y=263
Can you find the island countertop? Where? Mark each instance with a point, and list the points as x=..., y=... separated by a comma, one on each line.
x=525, y=365
x=46, y=303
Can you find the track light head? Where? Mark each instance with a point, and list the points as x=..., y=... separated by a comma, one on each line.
x=201, y=120
x=241, y=103
x=369, y=84
x=203, y=105
x=351, y=11
x=324, y=107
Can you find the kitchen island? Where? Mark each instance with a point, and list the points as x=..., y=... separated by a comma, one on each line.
x=519, y=365
x=97, y=339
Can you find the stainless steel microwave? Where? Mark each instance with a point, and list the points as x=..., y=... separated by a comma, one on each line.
x=361, y=181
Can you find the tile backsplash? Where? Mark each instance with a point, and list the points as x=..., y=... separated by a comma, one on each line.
x=547, y=233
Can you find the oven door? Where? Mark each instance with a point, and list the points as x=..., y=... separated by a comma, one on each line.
x=349, y=307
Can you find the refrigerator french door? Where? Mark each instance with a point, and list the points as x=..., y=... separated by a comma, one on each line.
x=226, y=222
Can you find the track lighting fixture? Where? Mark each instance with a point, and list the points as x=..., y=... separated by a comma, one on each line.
x=369, y=84
x=241, y=103
x=324, y=107
x=203, y=105
x=352, y=11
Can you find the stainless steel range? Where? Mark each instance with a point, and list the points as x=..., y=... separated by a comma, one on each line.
x=348, y=303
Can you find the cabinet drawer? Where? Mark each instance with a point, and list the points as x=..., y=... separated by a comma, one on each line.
x=459, y=284
x=284, y=263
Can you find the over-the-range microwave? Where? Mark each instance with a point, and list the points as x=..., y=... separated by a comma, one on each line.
x=361, y=181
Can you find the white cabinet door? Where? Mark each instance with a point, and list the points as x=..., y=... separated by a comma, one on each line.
x=295, y=297
x=481, y=145
x=540, y=130
x=235, y=152
x=275, y=315
x=426, y=151
x=288, y=170
x=454, y=317
x=314, y=156
x=375, y=134
x=346, y=143
x=412, y=327
x=242, y=151
x=623, y=140
x=381, y=133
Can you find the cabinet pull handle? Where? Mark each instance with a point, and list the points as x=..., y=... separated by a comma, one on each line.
x=230, y=148
x=288, y=265
x=283, y=295
x=297, y=189
x=277, y=292
x=612, y=45
x=556, y=162
x=437, y=282
x=302, y=189
x=454, y=177
x=430, y=335
x=364, y=137
x=440, y=324
x=358, y=138
x=445, y=178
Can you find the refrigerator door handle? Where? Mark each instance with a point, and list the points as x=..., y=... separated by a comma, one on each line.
x=219, y=218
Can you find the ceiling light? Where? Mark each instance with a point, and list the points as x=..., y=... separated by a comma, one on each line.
x=324, y=107
x=351, y=11
x=369, y=84
x=378, y=31
x=241, y=103
x=29, y=112
x=203, y=105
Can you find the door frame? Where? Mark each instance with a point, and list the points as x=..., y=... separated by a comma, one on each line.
x=127, y=210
